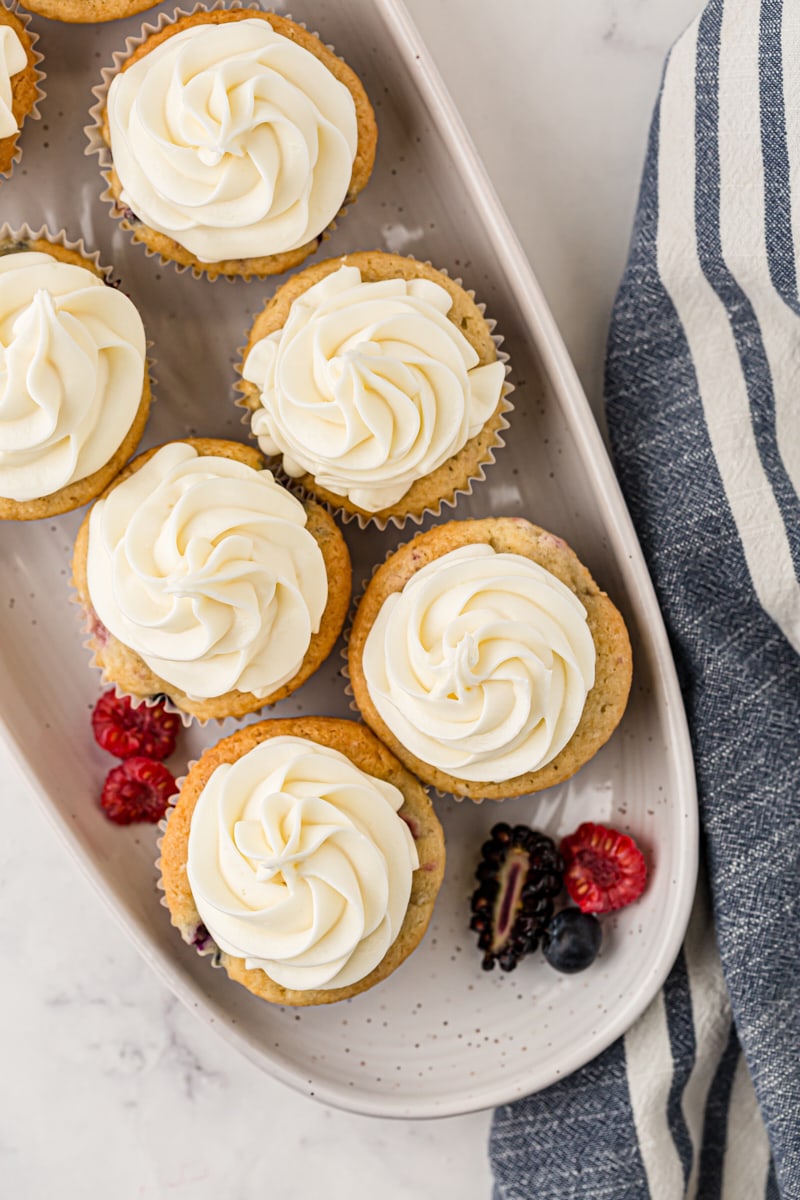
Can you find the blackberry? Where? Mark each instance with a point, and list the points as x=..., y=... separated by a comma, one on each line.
x=519, y=876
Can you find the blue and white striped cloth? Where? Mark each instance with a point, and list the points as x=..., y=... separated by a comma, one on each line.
x=701, y=1098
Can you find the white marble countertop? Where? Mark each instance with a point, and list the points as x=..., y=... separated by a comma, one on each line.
x=110, y=1088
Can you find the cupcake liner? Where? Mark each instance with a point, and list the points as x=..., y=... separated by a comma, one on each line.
x=25, y=234
x=399, y=520
x=8, y=233
x=39, y=78
x=205, y=945
x=90, y=622
x=97, y=144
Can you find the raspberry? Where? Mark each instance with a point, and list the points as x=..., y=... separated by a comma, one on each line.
x=137, y=790
x=123, y=730
x=604, y=869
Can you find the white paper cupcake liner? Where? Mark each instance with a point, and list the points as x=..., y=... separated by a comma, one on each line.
x=9, y=233
x=39, y=78
x=399, y=520
x=206, y=947
x=98, y=145
x=90, y=621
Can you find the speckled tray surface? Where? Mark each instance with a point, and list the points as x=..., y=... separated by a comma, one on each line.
x=440, y=1036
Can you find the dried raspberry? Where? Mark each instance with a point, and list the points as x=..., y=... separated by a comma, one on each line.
x=604, y=869
x=137, y=790
x=123, y=730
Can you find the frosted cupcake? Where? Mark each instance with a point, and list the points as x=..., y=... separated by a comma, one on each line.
x=74, y=389
x=232, y=140
x=204, y=581
x=376, y=380
x=19, y=90
x=306, y=856
x=87, y=12
x=487, y=658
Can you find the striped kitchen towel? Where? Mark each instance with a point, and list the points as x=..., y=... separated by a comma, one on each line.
x=701, y=1098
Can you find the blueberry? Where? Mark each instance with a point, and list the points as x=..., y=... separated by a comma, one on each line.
x=572, y=941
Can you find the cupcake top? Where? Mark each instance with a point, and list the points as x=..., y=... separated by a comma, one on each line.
x=203, y=566
x=299, y=864
x=369, y=386
x=13, y=59
x=481, y=664
x=88, y=11
x=72, y=370
x=232, y=139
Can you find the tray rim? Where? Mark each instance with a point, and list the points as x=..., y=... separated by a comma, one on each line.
x=625, y=549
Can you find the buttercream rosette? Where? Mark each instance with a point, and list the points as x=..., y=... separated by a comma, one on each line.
x=486, y=657
x=377, y=384
x=231, y=139
x=204, y=581
x=74, y=383
x=303, y=857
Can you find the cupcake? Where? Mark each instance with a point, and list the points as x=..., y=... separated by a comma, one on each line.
x=377, y=380
x=232, y=139
x=488, y=660
x=206, y=582
x=306, y=856
x=74, y=391
x=19, y=90
x=87, y=12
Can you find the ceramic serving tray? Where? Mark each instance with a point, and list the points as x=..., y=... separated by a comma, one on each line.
x=440, y=1036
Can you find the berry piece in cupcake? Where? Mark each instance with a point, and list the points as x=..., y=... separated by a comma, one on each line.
x=604, y=869
x=377, y=381
x=74, y=390
x=487, y=658
x=205, y=581
x=235, y=138
x=291, y=849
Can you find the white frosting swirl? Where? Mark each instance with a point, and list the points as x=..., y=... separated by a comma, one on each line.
x=72, y=364
x=204, y=567
x=481, y=665
x=299, y=864
x=13, y=59
x=369, y=386
x=233, y=140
